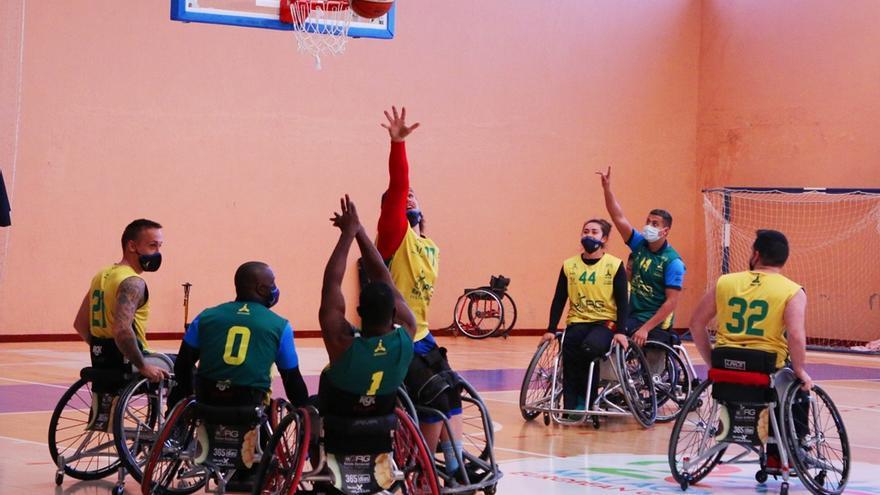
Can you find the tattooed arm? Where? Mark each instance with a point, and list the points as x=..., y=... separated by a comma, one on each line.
x=131, y=295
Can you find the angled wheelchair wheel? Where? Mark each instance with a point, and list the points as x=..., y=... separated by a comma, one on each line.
x=692, y=443
x=637, y=384
x=478, y=434
x=478, y=313
x=135, y=424
x=537, y=385
x=509, y=313
x=171, y=468
x=412, y=458
x=672, y=381
x=88, y=453
x=281, y=467
x=816, y=440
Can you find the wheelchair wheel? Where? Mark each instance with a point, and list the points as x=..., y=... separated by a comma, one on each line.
x=171, y=467
x=405, y=402
x=537, y=383
x=693, y=435
x=135, y=422
x=412, y=457
x=281, y=468
x=88, y=454
x=672, y=382
x=816, y=440
x=477, y=429
x=637, y=384
x=478, y=313
x=509, y=312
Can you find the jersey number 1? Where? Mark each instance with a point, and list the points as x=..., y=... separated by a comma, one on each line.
x=234, y=355
x=374, y=384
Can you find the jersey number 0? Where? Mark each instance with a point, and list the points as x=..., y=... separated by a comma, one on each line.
x=234, y=354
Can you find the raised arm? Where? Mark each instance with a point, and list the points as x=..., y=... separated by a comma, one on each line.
x=130, y=295
x=614, y=210
x=81, y=322
x=392, y=219
x=796, y=334
x=335, y=329
x=378, y=272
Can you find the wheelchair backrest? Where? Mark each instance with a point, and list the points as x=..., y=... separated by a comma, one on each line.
x=229, y=435
x=742, y=385
x=359, y=452
x=499, y=283
x=742, y=359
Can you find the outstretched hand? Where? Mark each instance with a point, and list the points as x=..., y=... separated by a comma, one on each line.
x=347, y=221
x=606, y=177
x=396, y=126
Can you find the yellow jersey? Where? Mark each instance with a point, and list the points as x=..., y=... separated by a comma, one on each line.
x=750, y=310
x=591, y=289
x=414, y=270
x=103, y=304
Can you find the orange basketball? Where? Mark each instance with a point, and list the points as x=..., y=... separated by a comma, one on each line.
x=371, y=9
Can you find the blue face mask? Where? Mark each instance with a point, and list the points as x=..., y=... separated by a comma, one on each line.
x=591, y=245
x=273, y=297
x=414, y=217
x=150, y=262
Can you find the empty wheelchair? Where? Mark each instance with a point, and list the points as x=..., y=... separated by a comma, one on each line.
x=353, y=455
x=485, y=311
x=203, y=445
x=673, y=375
x=625, y=387
x=108, y=419
x=748, y=412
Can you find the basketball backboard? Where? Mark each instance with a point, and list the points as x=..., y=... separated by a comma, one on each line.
x=265, y=14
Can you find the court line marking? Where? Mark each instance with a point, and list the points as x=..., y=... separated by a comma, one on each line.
x=31, y=442
x=8, y=413
x=526, y=452
x=65, y=387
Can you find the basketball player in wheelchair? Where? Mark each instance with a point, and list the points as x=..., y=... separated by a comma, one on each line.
x=758, y=395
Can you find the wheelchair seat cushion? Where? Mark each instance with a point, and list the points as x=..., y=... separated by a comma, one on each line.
x=359, y=435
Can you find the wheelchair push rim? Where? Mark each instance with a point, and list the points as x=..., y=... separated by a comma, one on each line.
x=172, y=456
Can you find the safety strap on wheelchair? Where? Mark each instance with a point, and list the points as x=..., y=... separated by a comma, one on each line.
x=431, y=376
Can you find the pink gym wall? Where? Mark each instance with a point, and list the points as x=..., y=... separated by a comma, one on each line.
x=232, y=140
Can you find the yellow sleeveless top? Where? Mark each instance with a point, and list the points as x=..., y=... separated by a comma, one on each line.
x=413, y=269
x=103, y=304
x=591, y=289
x=750, y=311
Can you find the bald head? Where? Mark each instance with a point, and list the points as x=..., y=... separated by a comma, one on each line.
x=253, y=281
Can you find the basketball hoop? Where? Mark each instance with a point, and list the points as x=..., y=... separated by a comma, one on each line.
x=320, y=26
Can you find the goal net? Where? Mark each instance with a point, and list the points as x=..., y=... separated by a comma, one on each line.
x=834, y=239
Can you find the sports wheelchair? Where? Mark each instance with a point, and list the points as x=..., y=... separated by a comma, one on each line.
x=673, y=375
x=746, y=407
x=625, y=388
x=202, y=443
x=485, y=311
x=107, y=420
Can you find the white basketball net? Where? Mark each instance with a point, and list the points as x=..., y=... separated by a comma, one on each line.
x=320, y=26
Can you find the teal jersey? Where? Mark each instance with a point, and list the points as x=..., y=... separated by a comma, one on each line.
x=239, y=341
x=652, y=274
x=373, y=365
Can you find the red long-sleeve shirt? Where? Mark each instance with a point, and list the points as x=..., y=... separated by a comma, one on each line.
x=392, y=219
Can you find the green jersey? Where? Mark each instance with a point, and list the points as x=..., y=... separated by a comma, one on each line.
x=652, y=274
x=373, y=365
x=239, y=341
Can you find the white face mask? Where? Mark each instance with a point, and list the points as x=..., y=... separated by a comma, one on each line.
x=651, y=233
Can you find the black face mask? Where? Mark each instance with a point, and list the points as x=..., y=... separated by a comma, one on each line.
x=273, y=297
x=150, y=262
x=591, y=245
x=414, y=217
